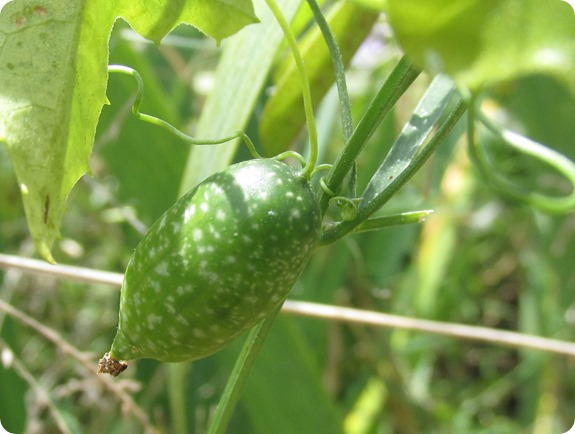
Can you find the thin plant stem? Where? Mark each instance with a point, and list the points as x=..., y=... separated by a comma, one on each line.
x=402, y=76
x=304, y=82
x=526, y=146
x=341, y=84
x=475, y=333
x=317, y=310
x=169, y=127
x=240, y=373
x=176, y=388
x=338, y=67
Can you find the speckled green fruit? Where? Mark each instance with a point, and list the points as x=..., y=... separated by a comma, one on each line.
x=217, y=262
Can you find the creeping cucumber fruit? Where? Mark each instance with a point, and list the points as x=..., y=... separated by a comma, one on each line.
x=216, y=263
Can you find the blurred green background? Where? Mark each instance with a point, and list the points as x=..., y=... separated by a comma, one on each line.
x=478, y=260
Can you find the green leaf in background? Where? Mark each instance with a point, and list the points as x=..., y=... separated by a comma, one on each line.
x=479, y=42
x=53, y=59
x=283, y=115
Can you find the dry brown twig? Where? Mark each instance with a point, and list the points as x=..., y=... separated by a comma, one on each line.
x=334, y=313
x=87, y=361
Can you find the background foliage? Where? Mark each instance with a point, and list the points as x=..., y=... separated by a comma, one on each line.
x=479, y=259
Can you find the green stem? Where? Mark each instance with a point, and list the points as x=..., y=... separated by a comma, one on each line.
x=526, y=146
x=177, y=374
x=240, y=372
x=396, y=84
x=338, y=66
x=169, y=127
x=378, y=223
x=378, y=201
x=307, y=103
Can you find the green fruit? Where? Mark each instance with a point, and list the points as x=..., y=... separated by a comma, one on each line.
x=216, y=263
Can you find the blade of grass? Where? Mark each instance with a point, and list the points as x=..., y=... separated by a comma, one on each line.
x=240, y=373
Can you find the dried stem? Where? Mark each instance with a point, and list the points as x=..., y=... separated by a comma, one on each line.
x=84, y=359
x=316, y=310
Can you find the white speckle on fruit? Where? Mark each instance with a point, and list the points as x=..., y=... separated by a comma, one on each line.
x=197, y=234
x=174, y=333
x=295, y=214
x=231, y=259
x=154, y=319
x=152, y=252
x=162, y=269
x=220, y=215
x=247, y=239
x=156, y=286
x=204, y=206
x=299, y=198
x=162, y=222
x=182, y=320
x=251, y=299
x=289, y=194
x=276, y=297
x=189, y=212
x=271, y=213
x=199, y=333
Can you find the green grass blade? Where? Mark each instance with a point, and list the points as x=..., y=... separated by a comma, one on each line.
x=413, y=135
x=240, y=373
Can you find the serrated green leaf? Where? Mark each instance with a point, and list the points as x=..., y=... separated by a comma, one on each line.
x=479, y=42
x=283, y=115
x=52, y=88
x=53, y=60
x=219, y=19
